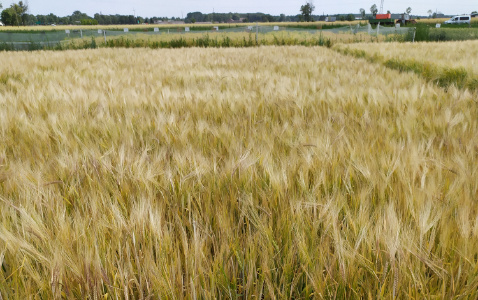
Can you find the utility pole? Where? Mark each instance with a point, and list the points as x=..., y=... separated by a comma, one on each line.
x=381, y=7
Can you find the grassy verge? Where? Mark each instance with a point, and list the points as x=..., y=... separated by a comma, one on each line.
x=442, y=76
x=427, y=33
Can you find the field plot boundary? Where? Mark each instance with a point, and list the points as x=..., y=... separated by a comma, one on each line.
x=442, y=76
x=33, y=40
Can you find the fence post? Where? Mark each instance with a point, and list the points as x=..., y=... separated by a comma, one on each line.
x=104, y=34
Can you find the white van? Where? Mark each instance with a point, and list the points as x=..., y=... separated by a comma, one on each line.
x=1, y=24
x=464, y=19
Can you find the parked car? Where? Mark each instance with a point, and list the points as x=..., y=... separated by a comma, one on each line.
x=1, y=24
x=464, y=19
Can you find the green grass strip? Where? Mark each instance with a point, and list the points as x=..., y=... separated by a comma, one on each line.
x=442, y=76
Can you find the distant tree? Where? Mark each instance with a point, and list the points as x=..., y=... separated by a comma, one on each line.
x=374, y=10
x=196, y=16
x=99, y=18
x=429, y=12
x=408, y=10
x=22, y=10
x=64, y=21
x=388, y=12
x=8, y=16
x=306, y=11
x=15, y=15
x=473, y=12
x=30, y=19
x=89, y=22
x=350, y=17
x=362, y=13
x=48, y=19
x=282, y=18
x=78, y=16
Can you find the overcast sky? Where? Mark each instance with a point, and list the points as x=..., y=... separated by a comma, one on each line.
x=178, y=8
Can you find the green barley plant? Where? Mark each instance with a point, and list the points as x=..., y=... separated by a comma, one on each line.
x=429, y=60
x=443, y=55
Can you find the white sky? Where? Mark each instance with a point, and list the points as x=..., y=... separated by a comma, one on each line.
x=177, y=8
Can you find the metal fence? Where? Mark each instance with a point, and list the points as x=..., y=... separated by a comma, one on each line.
x=41, y=39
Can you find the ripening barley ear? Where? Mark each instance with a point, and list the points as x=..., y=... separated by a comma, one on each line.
x=266, y=172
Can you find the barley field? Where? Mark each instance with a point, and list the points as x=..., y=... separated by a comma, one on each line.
x=229, y=39
x=441, y=21
x=268, y=172
x=443, y=54
x=317, y=25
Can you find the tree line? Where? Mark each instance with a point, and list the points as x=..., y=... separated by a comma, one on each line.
x=17, y=15
x=194, y=17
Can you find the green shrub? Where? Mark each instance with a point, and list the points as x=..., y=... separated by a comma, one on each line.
x=422, y=33
x=93, y=43
x=443, y=77
x=449, y=76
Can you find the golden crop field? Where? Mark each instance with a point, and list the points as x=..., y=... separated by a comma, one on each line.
x=317, y=25
x=267, y=172
x=443, y=54
x=441, y=21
